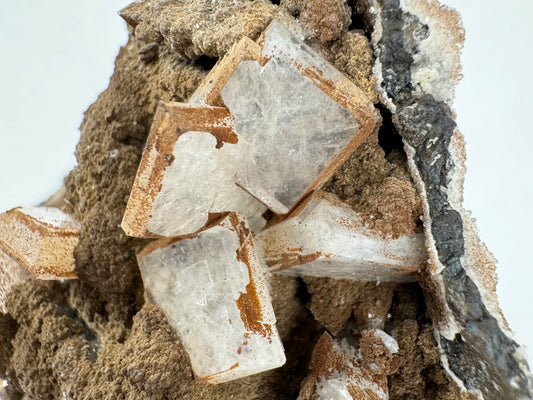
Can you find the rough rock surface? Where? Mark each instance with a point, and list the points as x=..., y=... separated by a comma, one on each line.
x=95, y=337
x=417, y=46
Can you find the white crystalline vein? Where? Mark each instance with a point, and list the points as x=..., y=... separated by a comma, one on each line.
x=197, y=282
x=199, y=181
x=294, y=130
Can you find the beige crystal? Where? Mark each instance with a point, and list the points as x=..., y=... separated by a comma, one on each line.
x=35, y=242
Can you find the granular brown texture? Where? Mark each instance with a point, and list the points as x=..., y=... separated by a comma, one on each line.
x=353, y=55
x=379, y=188
x=420, y=375
x=195, y=28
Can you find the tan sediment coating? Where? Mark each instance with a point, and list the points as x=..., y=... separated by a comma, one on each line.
x=347, y=368
x=42, y=240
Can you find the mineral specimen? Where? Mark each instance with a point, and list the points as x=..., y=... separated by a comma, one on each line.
x=325, y=237
x=213, y=290
x=417, y=46
x=273, y=142
x=35, y=242
x=342, y=371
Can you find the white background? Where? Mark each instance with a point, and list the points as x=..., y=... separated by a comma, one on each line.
x=56, y=56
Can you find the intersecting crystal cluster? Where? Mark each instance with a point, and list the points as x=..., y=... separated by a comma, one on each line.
x=35, y=242
x=265, y=130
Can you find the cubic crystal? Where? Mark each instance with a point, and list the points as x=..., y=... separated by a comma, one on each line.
x=214, y=293
x=35, y=242
x=325, y=237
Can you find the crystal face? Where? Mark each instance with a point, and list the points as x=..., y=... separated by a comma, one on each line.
x=293, y=129
x=213, y=290
x=201, y=182
x=328, y=239
x=35, y=242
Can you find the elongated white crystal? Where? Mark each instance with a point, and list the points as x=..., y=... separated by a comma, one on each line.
x=213, y=291
x=327, y=238
x=294, y=130
x=200, y=181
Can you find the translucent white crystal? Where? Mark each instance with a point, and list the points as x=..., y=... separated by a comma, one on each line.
x=328, y=238
x=201, y=180
x=51, y=216
x=200, y=284
x=294, y=130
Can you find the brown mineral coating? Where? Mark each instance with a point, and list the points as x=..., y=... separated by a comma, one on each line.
x=372, y=362
x=353, y=55
x=420, y=375
x=93, y=338
x=368, y=302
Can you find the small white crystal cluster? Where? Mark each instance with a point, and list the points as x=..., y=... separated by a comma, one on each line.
x=35, y=242
x=342, y=371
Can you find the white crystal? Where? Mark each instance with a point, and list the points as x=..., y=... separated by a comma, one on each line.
x=206, y=290
x=294, y=130
x=327, y=238
x=388, y=341
x=200, y=181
